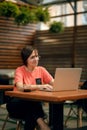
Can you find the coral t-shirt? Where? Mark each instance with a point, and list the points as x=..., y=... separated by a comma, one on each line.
x=27, y=77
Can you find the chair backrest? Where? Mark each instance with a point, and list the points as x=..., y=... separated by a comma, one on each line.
x=4, y=80
x=83, y=102
x=84, y=86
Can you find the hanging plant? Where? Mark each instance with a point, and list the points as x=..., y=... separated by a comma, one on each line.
x=56, y=27
x=8, y=9
x=25, y=16
x=42, y=14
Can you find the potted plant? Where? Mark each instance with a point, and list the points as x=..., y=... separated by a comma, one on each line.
x=42, y=14
x=56, y=27
x=8, y=9
x=25, y=16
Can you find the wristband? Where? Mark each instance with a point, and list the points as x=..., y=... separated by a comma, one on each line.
x=27, y=90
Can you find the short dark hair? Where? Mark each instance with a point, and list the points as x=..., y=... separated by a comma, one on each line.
x=26, y=52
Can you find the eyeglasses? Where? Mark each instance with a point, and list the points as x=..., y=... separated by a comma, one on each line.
x=33, y=57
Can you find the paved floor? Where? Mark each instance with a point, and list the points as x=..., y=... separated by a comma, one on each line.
x=72, y=122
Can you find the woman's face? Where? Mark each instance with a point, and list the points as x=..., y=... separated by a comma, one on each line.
x=33, y=59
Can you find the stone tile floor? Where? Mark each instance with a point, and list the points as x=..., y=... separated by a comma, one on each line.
x=11, y=124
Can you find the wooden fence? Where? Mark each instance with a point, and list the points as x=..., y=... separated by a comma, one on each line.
x=67, y=49
x=12, y=39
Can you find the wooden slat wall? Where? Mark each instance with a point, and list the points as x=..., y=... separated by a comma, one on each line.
x=56, y=49
x=81, y=50
x=12, y=39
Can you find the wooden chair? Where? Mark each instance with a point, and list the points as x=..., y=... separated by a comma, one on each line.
x=77, y=111
x=19, y=122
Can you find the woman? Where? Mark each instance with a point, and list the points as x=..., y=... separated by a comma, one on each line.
x=30, y=77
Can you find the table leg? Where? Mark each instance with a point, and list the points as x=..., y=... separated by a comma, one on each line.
x=56, y=116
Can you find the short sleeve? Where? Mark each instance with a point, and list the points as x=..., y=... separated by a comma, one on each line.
x=18, y=75
x=47, y=77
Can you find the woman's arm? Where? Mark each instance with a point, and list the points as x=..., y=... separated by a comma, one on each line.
x=27, y=87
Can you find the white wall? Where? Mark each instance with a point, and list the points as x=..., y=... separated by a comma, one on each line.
x=9, y=72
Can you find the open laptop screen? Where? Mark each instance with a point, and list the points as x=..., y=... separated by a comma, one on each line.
x=67, y=79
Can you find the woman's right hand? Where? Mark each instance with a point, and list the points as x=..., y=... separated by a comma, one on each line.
x=46, y=87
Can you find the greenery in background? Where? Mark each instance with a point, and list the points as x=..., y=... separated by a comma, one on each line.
x=56, y=27
x=25, y=16
x=42, y=14
x=8, y=9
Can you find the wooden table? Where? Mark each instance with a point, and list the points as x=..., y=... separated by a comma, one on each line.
x=56, y=100
x=6, y=87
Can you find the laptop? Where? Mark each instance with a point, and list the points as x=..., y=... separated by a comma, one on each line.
x=67, y=79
